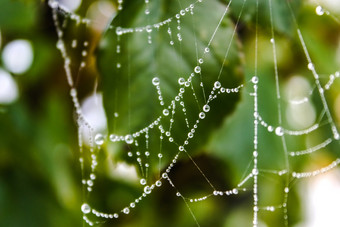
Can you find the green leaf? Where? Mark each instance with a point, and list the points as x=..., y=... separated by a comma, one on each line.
x=129, y=91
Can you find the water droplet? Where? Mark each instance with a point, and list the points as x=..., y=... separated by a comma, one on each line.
x=178, y=194
x=200, y=60
x=197, y=69
x=310, y=66
x=272, y=40
x=190, y=135
x=201, y=115
x=85, y=208
x=128, y=139
x=126, y=210
x=206, y=108
x=181, y=148
x=155, y=81
x=255, y=79
x=158, y=183
x=60, y=45
x=165, y=175
x=73, y=92
x=286, y=190
x=165, y=112
x=90, y=183
x=115, y=215
x=217, y=85
x=160, y=155
x=181, y=81
x=92, y=176
x=99, y=139
x=235, y=191
x=206, y=50
x=270, y=128
x=142, y=181
x=147, y=190
x=119, y=31
x=255, y=172
x=319, y=10
x=279, y=131
x=113, y=137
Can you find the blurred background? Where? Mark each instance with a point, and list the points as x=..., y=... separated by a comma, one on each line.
x=40, y=174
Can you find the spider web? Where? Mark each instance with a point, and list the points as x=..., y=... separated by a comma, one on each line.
x=190, y=106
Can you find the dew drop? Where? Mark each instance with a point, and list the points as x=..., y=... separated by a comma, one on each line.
x=165, y=175
x=90, y=183
x=181, y=148
x=84, y=53
x=128, y=139
x=319, y=10
x=147, y=190
x=165, y=112
x=190, y=135
x=113, y=138
x=158, y=183
x=206, y=50
x=73, y=92
x=181, y=81
x=85, y=208
x=60, y=45
x=155, y=81
x=255, y=79
x=99, y=139
x=119, y=31
x=255, y=172
x=279, y=131
x=197, y=69
x=200, y=60
x=272, y=40
x=310, y=66
x=206, y=108
x=270, y=128
x=126, y=210
x=201, y=115
x=217, y=85
x=286, y=190
x=142, y=181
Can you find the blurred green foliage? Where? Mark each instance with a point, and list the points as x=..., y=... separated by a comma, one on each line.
x=40, y=179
